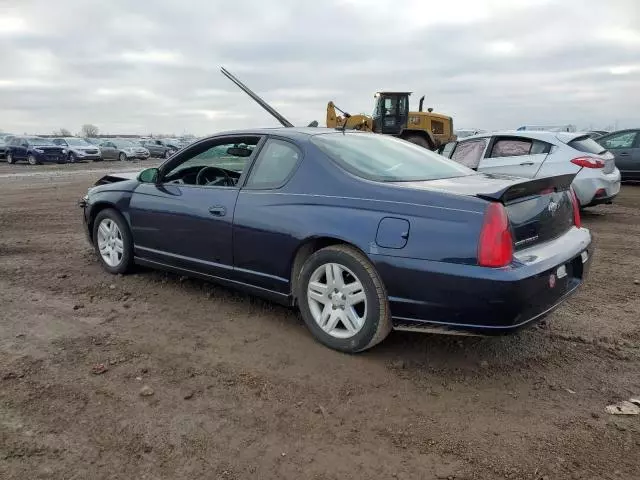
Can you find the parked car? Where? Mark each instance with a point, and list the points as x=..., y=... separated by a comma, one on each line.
x=363, y=232
x=118, y=149
x=79, y=149
x=93, y=140
x=534, y=154
x=597, y=133
x=161, y=148
x=34, y=150
x=4, y=139
x=625, y=146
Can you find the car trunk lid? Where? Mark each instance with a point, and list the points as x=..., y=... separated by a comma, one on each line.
x=538, y=209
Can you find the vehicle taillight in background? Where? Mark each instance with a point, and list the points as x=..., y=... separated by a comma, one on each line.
x=577, y=221
x=588, y=162
x=495, y=248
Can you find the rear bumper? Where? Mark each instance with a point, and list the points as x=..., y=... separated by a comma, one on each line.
x=593, y=187
x=467, y=298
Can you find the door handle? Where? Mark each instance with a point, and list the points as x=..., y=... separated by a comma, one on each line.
x=526, y=163
x=624, y=154
x=218, y=211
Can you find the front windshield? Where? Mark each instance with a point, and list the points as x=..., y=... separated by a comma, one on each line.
x=387, y=159
x=39, y=141
x=77, y=142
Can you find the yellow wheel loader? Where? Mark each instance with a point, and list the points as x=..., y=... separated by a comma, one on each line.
x=391, y=116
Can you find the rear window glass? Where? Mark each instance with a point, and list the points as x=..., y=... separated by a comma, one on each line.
x=587, y=145
x=386, y=159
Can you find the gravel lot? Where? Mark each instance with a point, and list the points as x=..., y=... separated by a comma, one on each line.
x=236, y=388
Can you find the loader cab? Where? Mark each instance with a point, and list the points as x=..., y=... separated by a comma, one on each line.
x=391, y=112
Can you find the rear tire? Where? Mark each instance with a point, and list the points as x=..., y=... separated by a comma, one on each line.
x=420, y=141
x=72, y=158
x=113, y=242
x=348, y=312
x=122, y=157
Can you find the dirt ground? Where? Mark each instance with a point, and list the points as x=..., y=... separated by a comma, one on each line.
x=238, y=388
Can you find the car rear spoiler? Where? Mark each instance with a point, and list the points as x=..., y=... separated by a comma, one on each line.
x=526, y=188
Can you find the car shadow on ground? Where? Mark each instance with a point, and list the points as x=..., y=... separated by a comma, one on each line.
x=406, y=351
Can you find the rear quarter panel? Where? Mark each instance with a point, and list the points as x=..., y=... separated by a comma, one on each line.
x=322, y=201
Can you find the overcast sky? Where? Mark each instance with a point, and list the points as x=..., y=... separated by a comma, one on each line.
x=153, y=66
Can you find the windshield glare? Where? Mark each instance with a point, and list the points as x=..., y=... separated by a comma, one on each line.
x=387, y=159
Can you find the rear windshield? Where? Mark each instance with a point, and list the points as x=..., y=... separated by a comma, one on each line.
x=386, y=159
x=587, y=145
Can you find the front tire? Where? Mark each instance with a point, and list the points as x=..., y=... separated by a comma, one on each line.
x=32, y=160
x=10, y=159
x=168, y=153
x=112, y=241
x=123, y=157
x=343, y=300
x=72, y=158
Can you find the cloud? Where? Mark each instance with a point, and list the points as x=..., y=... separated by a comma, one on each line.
x=488, y=63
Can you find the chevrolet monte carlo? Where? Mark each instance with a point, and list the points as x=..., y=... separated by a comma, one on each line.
x=364, y=233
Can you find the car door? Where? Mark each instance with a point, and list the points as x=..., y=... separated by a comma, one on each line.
x=625, y=146
x=514, y=155
x=262, y=243
x=184, y=224
x=108, y=150
x=20, y=149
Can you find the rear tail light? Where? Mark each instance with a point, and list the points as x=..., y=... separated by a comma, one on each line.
x=495, y=248
x=577, y=221
x=588, y=162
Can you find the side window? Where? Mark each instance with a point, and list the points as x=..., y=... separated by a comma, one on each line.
x=447, y=149
x=218, y=162
x=620, y=140
x=469, y=153
x=540, y=147
x=511, y=147
x=274, y=165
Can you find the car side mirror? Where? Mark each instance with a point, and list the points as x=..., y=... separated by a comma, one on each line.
x=149, y=175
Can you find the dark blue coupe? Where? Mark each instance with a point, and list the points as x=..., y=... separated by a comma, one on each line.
x=364, y=233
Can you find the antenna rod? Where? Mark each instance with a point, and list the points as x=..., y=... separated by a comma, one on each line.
x=261, y=102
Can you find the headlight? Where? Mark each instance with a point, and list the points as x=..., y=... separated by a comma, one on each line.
x=39, y=150
x=64, y=150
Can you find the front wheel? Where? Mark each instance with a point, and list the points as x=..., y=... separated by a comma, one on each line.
x=72, y=158
x=343, y=300
x=168, y=153
x=32, y=160
x=112, y=240
x=123, y=157
x=10, y=159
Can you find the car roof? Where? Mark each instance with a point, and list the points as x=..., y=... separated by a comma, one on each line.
x=291, y=132
x=532, y=134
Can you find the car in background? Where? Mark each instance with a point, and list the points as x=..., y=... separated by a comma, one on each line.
x=363, y=232
x=93, y=140
x=162, y=148
x=596, y=133
x=4, y=139
x=34, y=150
x=534, y=154
x=625, y=146
x=78, y=149
x=120, y=149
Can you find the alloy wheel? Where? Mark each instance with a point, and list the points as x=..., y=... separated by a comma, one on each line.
x=337, y=300
x=110, y=242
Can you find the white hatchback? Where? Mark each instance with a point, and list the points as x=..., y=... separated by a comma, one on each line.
x=534, y=154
